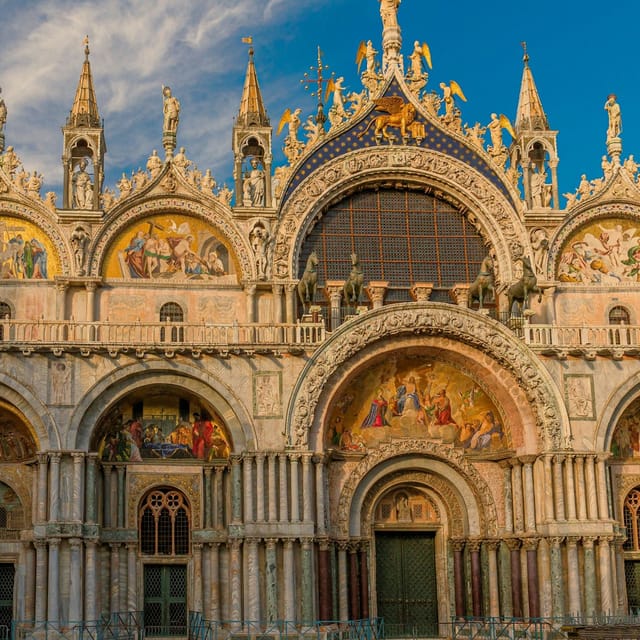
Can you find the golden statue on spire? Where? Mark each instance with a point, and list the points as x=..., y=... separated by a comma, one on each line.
x=389, y=13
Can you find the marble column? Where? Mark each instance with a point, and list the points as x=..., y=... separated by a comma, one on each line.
x=278, y=290
x=333, y=291
x=236, y=490
x=235, y=580
x=364, y=579
x=618, y=550
x=518, y=497
x=324, y=580
x=307, y=491
x=78, y=486
x=197, y=577
x=283, y=496
x=458, y=575
x=90, y=580
x=476, y=577
x=121, y=496
x=91, y=305
x=75, y=586
x=289, y=296
x=529, y=495
x=569, y=482
x=601, y=478
x=295, y=487
x=114, y=579
x=590, y=481
x=253, y=575
x=320, y=498
x=581, y=502
x=590, y=587
x=28, y=608
x=492, y=567
x=250, y=291
x=53, y=585
x=557, y=576
x=604, y=562
x=573, y=575
x=91, y=496
x=271, y=579
x=533, y=589
x=247, y=468
x=558, y=487
x=41, y=580
x=214, y=593
x=544, y=568
x=343, y=581
x=508, y=498
x=218, y=497
x=208, y=502
x=54, y=486
x=273, y=499
x=307, y=579
x=354, y=583
x=549, y=510
x=289, y=577
x=260, y=487
x=516, y=577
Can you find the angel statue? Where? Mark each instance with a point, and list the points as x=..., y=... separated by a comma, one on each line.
x=368, y=53
x=495, y=127
x=335, y=86
x=389, y=13
x=419, y=51
x=292, y=146
x=3, y=114
x=449, y=91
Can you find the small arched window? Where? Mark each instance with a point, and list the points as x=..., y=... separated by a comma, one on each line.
x=5, y=314
x=170, y=313
x=164, y=523
x=631, y=515
x=619, y=315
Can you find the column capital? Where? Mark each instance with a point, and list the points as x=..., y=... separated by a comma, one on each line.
x=234, y=543
x=54, y=542
x=603, y=456
x=40, y=543
x=457, y=544
x=588, y=541
x=42, y=457
x=514, y=544
x=343, y=545
x=474, y=544
x=605, y=540
x=421, y=291
x=459, y=293
x=572, y=541
x=558, y=458
x=491, y=544
x=55, y=457
x=556, y=541
x=530, y=544
x=196, y=546
x=376, y=291
x=271, y=543
x=527, y=460
x=77, y=456
x=324, y=544
x=306, y=542
x=75, y=543
x=252, y=542
x=277, y=289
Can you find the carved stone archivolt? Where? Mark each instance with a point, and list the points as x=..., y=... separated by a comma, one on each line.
x=484, y=205
x=120, y=220
x=428, y=319
x=453, y=458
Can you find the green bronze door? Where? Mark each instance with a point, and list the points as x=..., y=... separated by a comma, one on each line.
x=165, y=600
x=406, y=583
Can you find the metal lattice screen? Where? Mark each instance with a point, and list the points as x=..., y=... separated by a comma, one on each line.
x=7, y=575
x=165, y=600
x=401, y=237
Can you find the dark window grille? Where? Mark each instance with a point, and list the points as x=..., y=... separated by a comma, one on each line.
x=171, y=312
x=3, y=518
x=619, y=315
x=164, y=524
x=631, y=517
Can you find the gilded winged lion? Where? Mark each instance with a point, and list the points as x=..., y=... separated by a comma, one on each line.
x=396, y=113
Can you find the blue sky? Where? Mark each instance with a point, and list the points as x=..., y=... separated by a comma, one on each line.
x=580, y=52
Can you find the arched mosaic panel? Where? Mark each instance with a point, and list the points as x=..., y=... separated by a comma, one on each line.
x=605, y=251
x=26, y=252
x=414, y=396
x=170, y=247
x=625, y=443
x=16, y=441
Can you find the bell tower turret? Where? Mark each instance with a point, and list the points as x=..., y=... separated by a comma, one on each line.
x=534, y=149
x=84, y=146
x=252, y=145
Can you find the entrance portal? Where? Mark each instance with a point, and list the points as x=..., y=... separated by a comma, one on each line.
x=7, y=575
x=165, y=600
x=406, y=583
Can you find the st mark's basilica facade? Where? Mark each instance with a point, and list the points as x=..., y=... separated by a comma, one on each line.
x=395, y=378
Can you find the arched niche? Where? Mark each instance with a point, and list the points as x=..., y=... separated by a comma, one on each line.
x=18, y=441
x=112, y=402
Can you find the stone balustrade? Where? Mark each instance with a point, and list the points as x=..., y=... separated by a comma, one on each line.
x=586, y=337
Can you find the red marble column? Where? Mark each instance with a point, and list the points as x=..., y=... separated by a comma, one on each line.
x=516, y=577
x=458, y=577
x=354, y=583
x=364, y=580
x=325, y=604
x=476, y=577
x=531, y=547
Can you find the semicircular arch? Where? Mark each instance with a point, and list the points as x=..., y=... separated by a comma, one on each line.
x=120, y=383
x=439, y=326
x=213, y=214
x=619, y=400
x=479, y=200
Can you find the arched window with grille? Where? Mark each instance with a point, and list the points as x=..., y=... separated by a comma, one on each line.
x=631, y=516
x=618, y=317
x=164, y=523
x=171, y=313
x=5, y=314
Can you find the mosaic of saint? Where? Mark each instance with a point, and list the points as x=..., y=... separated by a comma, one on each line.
x=626, y=437
x=603, y=252
x=415, y=397
x=163, y=436
x=25, y=251
x=170, y=247
x=11, y=511
x=16, y=443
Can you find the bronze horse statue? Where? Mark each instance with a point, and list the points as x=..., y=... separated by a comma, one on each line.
x=353, y=286
x=482, y=288
x=519, y=291
x=309, y=280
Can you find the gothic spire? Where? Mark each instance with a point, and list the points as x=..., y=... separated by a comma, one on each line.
x=84, y=111
x=252, y=111
x=530, y=115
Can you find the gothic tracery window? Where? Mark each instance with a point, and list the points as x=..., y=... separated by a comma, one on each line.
x=631, y=516
x=164, y=523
